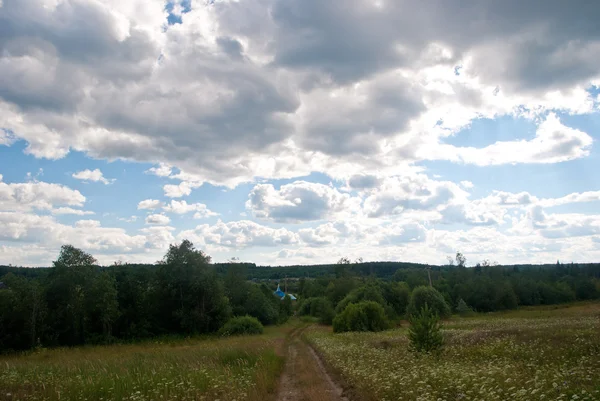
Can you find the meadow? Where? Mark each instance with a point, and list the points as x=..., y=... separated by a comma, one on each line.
x=541, y=353
x=238, y=368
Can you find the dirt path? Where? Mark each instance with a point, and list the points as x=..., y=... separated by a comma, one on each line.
x=304, y=377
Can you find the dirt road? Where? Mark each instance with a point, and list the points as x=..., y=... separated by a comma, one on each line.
x=304, y=377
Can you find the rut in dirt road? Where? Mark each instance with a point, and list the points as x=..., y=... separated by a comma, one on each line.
x=304, y=377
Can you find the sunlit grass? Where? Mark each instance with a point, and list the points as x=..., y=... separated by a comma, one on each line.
x=532, y=354
x=239, y=368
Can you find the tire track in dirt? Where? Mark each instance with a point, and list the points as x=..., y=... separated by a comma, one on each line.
x=304, y=377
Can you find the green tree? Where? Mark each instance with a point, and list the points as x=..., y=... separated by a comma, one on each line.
x=422, y=296
x=69, y=284
x=363, y=316
x=104, y=304
x=193, y=298
x=425, y=333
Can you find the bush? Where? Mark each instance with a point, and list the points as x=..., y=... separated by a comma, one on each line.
x=319, y=307
x=422, y=296
x=463, y=309
x=363, y=316
x=369, y=292
x=242, y=325
x=425, y=333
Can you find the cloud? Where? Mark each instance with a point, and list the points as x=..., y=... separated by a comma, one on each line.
x=149, y=204
x=299, y=201
x=46, y=231
x=163, y=170
x=182, y=207
x=363, y=181
x=400, y=194
x=37, y=195
x=466, y=184
x=359, y=90
x=240, y=234
x=158, y=219
x=178, y=191
x=553, y=143
x=68, y=210
x=92, y=175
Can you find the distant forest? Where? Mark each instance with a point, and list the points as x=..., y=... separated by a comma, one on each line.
x=77, y=302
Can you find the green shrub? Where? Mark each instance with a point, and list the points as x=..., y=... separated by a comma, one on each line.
x=369, y=292
x=428, y=295
x=363, y=316
x=242, y=325
x=463, y=309
x=425, y=333
x=319, y=307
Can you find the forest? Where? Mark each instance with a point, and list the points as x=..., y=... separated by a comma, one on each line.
x=77, y=302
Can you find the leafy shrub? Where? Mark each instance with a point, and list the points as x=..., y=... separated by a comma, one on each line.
x=425, y=333
x=319, y=307
x=262, y=306
x=242, y=325
x=369, y=292
x=462, y=308
x=363, y=316
x=428, y=295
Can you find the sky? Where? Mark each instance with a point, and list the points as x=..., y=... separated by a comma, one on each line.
x=299, y=131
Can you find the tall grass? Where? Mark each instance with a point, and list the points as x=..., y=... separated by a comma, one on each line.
x=532, y=354
x=202, y=369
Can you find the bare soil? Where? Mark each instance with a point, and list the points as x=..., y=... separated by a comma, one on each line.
x=304, y=377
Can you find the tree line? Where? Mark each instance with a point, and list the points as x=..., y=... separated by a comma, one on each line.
x=77, y=302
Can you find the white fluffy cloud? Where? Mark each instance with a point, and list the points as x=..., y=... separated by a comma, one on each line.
x=553, y=143
x=182, y=207
x=92, y=175
x=300, y=201
x=365, y=87
x=240, y=234
x=69, y=210
x=149, y=204
x=37, y=195
x=158, y=219
x=397, y=195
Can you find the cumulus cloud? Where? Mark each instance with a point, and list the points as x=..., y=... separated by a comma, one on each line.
x=240, y=234
x=182, y=207
x=37, y=195
x=299, y=201
x=158, y=219
x=149, y=204
x=163, y=170
x=553, y=143
x=87, y=234
x=366, y=87
x=177, y=191
x=411, y=192
x=69, y=210
x=92, y=175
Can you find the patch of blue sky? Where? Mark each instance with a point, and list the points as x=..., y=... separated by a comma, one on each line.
x=175, y=17
x=542, y=180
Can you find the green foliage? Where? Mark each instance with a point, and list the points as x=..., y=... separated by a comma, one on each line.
x=422, y=296
x=425, y=333
x=285, y=309
x=262, y=306
x=363, y=316
x=242, y=325
x=463, y=309
x=318, y=307
x=369, y=292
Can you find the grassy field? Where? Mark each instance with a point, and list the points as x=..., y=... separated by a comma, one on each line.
x=242, y=368
x=550, y=353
